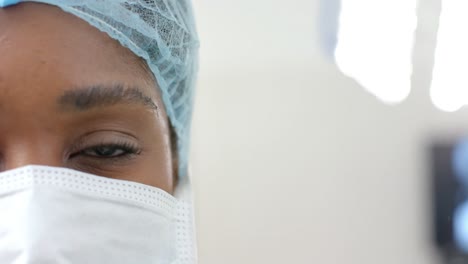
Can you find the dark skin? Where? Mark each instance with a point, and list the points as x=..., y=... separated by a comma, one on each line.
x=71, y=96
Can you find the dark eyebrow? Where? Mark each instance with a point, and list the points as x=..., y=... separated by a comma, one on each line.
x=86, y=98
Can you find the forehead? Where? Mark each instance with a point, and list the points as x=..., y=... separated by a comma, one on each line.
x=45, y=50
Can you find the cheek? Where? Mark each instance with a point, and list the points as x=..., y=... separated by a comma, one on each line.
x=153, y=168
x=154, y=174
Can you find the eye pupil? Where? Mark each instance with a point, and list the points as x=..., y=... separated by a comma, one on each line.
x=105, y=151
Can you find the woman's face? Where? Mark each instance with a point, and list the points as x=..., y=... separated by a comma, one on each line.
x=70, y=96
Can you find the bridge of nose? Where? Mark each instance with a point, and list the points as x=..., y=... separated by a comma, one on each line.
x=32, y=153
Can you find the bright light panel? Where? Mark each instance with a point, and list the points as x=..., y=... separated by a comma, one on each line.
x=375, y=43
x=449, y=89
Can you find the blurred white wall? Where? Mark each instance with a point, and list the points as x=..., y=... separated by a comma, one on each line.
x=295, y=163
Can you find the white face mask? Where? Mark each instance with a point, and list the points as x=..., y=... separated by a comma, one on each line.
x=55, y=215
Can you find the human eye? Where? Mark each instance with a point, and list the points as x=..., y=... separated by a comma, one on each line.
x=109, y=151
x=104, y=148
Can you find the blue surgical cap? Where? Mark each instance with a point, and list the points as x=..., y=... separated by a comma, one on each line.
x=160, y=31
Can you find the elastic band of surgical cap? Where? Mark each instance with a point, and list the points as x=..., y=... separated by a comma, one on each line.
x=163, y=33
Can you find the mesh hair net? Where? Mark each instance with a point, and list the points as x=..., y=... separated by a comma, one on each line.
x=160, y=31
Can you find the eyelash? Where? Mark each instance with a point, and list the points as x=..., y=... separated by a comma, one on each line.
x=128, y=149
